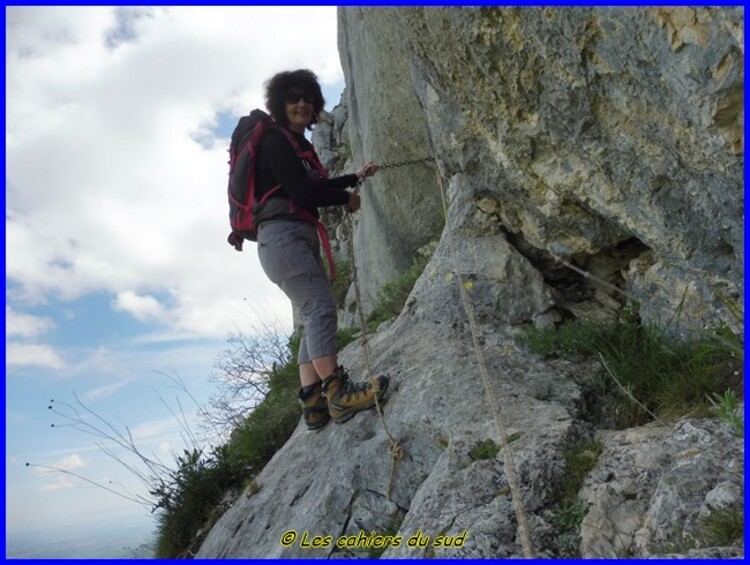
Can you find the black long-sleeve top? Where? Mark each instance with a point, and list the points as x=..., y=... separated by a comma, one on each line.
x=278, y=164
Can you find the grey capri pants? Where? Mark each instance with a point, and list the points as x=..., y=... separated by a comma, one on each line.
x=289, y=252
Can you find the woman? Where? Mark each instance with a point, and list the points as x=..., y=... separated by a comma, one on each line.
x=289, y=249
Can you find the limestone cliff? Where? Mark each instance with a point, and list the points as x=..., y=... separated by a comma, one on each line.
x=610, y=138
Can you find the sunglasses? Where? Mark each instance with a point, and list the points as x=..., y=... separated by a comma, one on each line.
x=294, y=97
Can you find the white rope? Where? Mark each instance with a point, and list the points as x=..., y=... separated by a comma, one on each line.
x=396, y=451
x=510, y=469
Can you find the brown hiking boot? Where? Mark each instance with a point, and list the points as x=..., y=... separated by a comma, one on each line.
x=346, y=398
x=314, y=407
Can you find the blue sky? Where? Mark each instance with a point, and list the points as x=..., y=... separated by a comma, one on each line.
x=117, y=268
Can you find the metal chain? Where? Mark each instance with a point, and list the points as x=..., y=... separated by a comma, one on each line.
x=395, y=165
x=385, y=166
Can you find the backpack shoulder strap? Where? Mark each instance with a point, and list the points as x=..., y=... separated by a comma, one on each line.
x=307, y=155
x=290, y=137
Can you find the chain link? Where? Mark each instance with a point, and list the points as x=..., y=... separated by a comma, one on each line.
x=405, y=163
x=385, y=166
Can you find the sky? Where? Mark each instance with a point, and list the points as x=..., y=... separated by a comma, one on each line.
x=118, y=274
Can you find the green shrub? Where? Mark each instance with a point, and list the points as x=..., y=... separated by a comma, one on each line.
x=579, y=460
x=268, y=427
x=343, y=280
x=344, y=336
x=392, y=297
x=188, y=498
x=185, y=501
x=390, y=529
x=273, y=421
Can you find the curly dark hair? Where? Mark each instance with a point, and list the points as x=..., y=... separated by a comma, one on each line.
x=280, y=84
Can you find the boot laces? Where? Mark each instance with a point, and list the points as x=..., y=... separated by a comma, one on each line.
x=351, y=388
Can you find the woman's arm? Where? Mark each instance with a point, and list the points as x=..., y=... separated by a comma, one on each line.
x=289, y=171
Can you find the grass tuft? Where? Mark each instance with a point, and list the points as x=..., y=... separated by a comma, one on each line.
x=722, y=528
x=568, y=513
x=726, y=407
x=668, y=378
x=487, y=449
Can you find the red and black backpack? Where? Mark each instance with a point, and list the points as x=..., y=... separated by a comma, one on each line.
x=243, y=152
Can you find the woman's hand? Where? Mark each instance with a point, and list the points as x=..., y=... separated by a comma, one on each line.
x=367, y=170
x=354, y=203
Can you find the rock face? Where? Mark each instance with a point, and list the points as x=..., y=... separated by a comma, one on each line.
x=386, y=124
x=609, y=138
x=643, y=495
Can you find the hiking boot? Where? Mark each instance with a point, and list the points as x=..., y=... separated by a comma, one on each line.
x=314, y=407
x=346, y=398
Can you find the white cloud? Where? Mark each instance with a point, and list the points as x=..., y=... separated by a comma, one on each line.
x=61, y=482
x=102, y=392
x=143, y=308
x=25, y=325
x=31, y=354
x=61, y=469
x=107, y=190
x=166, y=448
x=69, y=463
x=157, y=428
